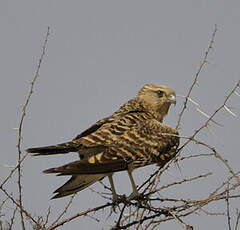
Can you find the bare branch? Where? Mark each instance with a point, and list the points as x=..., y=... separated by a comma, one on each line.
x=196, y=77
x=24, y=211
x=185, y=226
x=65, y=210
x=12, y=219
x=184, y=181
x=228, y=211
x=21, y=124
x=237, y=222
x=232, y=113
x=54, y=226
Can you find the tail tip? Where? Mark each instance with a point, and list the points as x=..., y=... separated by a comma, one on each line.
x=51, y=170
x=56, y=197
x=30, y=150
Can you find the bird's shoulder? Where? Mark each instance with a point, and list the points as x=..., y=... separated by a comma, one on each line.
x=110, y=128
x=152, y=126
x=124, y=114
x=151, y=132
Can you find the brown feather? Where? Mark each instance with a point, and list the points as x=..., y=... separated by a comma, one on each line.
x=76, y=184
x=84, y=167
x=134, y=136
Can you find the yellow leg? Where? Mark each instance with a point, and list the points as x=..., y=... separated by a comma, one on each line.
x=114, y=194
x=135, y=191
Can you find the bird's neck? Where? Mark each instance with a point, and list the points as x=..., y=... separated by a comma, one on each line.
x=157, y=112
x=142, y=105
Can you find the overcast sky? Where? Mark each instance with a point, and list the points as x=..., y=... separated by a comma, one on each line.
x=100, y=53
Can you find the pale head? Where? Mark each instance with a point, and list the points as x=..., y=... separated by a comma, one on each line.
x=157, y=98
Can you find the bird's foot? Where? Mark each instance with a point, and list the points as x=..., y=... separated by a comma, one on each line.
x=117, y=199
x=134, y=196
x=140, y=198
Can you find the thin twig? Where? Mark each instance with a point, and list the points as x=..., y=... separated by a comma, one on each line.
x=228, y=211
x=136, y=222
x=120, y=216
x=185, y=226
x=21, y=208
x=12, y=219
x=13, y=170
x=184, y=181
x=217, y=155
x=21, y=124
x=3, y=202
x=237, y=222
x=47, y=216
x=64, y=221
x=65, y=210
x=197, y=155
x=196, y=76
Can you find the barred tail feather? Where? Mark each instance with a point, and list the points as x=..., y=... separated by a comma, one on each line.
x=76, y=184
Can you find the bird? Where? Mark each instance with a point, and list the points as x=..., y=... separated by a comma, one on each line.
x=134, y=136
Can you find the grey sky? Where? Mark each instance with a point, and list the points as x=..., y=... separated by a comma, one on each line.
x=100, y=53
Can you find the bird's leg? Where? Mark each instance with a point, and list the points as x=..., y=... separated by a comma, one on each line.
x=135, y=191
x=114, y=194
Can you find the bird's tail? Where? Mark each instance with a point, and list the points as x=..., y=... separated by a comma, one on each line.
x=77, y=183
x=55, y=149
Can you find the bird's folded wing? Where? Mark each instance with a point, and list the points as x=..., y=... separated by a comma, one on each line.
x=111, y=130
x=140, y=145
x=74, y=145
x=94, y=127
x=84, y=167
x=148, y=142
x=94, y=139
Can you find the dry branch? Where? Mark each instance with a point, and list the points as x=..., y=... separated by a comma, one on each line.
x=21, y=158
x=196, y=77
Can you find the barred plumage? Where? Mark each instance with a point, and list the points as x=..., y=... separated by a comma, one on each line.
x=134, y=136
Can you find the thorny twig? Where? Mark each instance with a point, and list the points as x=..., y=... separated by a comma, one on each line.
x=12, y=219
x=237, y=222
x=47, y=217
x=228, y=210
x=20, y=158
x=24, y=211
x=64, y=221
x=185, y=226
x=217, y=155
x=64, y=211
x=196, y=77
x=21, y=124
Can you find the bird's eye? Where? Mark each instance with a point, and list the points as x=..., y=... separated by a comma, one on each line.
x=160, y=93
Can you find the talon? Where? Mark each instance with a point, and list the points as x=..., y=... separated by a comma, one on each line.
x=133, y=196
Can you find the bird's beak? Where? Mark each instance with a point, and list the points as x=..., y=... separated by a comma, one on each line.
x=172, y=99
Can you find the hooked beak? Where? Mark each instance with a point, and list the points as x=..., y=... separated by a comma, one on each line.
x=172, y=99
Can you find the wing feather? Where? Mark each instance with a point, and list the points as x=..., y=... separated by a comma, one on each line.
x=76, y=183
x=148, y=142
x=84, y=167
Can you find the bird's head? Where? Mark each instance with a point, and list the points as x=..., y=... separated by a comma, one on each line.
x=157, y=98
